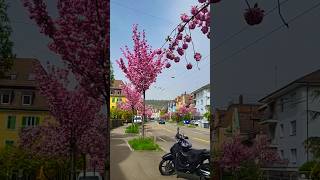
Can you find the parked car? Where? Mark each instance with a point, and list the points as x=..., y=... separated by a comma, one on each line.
x=161, y=121
x=186, y=121
x=137, y=119
x=196, y=122
x=90, y=176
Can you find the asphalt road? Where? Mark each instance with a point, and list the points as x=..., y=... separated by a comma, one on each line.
x=165, y=133
x=127, y=164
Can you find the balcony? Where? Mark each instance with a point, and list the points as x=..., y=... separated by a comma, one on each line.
x=270, y=121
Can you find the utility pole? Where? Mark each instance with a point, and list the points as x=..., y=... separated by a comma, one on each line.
x=307, y=99
x=276, y=77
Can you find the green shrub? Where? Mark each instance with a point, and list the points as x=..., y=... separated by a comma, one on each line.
x=315, y=171
x=192, y=126
x=134, y=129
x=143, y=144
x=180, y=123
x=307, y=166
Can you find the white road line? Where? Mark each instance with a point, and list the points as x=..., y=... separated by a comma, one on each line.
x=129, y=146
x=162, y=139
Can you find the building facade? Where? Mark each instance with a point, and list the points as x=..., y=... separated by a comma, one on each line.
x=291, y=114
x=116, y=94
x=237, y=119
x=21, y=104
x=172, y=106
x=183, y=100
x=201, y=99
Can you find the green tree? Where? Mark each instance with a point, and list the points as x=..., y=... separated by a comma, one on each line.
x=6, y=55
x=111, y=73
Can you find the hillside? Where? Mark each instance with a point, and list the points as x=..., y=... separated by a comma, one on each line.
x=157, y=104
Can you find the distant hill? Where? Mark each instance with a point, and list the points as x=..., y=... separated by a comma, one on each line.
x=157, y=104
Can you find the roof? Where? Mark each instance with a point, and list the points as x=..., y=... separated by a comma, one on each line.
x=22, y=68
x=116, y=84
x=309, y=79
x=207, y=86
x=22, y=84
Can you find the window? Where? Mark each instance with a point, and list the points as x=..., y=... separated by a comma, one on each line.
x=281, y=105
x=30, y=121
x=13, y=76
x=5, y=98
x=282, y=154
x=31, y=77
x=201, y=101
x=119, y=92
x=113, y=99
x=120, y=99
x=26, y=99
x=111, y=92
x=293, y=156
x=281, y=130
x=9, y=142
x=11, y=122
x=293, y=128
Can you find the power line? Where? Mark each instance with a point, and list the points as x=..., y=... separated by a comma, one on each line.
x=243, y=29
x=141, y=12
x=266, y=35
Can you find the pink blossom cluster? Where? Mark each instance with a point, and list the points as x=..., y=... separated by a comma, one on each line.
x=80, y=36
x=143, y=63
x=235, y=153
x=76, y=120
x=185, y=110
x=178, y=44
x=133, y=98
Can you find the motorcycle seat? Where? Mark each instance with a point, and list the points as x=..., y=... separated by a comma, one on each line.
x=195, y=152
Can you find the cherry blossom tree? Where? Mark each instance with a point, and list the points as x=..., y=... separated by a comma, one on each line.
x=77, y=128
x=234, y=154
x=80, y=36
x=143, y=64
x=133, y=99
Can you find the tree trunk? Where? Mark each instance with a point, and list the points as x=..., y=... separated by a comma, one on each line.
x=84, y=164
x=132, y=116
x=144, y=111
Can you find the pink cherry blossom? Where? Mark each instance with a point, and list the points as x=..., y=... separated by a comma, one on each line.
x=197, y=56
x=184, y=45
x=184, y=17
x=189, y=66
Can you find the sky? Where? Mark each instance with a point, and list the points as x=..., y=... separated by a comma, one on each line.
x=158, y=18
x=28, y=42
x=260, y=59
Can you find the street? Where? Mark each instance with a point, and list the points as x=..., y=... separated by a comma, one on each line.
x=165, y=134
x=136, y=165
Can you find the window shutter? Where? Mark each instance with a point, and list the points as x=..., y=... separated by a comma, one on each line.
x=24, y=121
x=13, y=123
x=37, y=120
x=9, y=122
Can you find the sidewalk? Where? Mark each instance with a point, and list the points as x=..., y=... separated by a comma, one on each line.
x=133, y=165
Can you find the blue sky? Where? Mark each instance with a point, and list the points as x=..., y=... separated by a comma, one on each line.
x=158, y=18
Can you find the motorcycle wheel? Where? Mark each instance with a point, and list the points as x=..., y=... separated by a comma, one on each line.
x=205, y=167
x=166, y=168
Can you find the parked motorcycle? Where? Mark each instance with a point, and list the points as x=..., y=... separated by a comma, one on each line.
x=182, y=159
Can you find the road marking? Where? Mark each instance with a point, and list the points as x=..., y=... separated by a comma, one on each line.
x=129, y=145
x=162, y=139
x=201, y=140
x=165, y=128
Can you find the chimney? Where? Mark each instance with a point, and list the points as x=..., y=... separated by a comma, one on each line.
x=240, y=99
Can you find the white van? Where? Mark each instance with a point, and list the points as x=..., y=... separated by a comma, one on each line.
x=137, y=119
x=90, y=176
